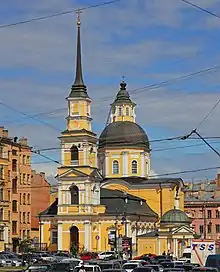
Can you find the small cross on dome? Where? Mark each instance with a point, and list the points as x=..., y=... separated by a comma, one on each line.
x=123, y=84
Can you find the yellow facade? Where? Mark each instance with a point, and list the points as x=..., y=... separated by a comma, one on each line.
x=77, y=216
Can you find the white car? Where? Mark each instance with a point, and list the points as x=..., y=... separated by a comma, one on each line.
x=106, y=254
x=131, y=266
x=87, y=268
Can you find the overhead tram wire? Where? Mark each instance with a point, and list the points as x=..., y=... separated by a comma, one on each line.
x=57, y=14
x=200, y=8
x=195, y=131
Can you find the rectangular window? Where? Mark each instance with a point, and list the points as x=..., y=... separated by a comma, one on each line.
x=28, y=218
x=217, y=214
x=217, y=228
x=28, y=160
x=1, y=172
x=201, y=229
x=14, y=165
x=120, y=111
x=14, y=205
x=54, y=237
x=1, y=214
x=24, y=178
x=14, y=186
x=127, y=111
x=20, y=217
x=1, y=234
x=14, y=152
x=209, y=228
x=28, y=233
x=209, y=213
x=28, y=178
x=9, y=196
x=24, y=159
x=9, y=216
x=24, y=236
x=24, y=217
x=20, y=199
x=14, y=227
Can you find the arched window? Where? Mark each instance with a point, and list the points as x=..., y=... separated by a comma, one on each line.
x=120, y=111
x=115, y=167
x=127, y=111
x=134, y=167
x=74, y=192
x=74, y=155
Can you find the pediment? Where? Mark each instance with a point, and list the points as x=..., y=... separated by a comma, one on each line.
x=183, y=229
x=71, y=173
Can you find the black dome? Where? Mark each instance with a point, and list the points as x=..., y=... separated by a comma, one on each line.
x=124, y=134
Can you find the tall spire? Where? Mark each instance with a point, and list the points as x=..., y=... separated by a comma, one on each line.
x=78, y=88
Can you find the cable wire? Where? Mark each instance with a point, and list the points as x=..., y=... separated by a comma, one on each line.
x=201, y=9
x=58, y=14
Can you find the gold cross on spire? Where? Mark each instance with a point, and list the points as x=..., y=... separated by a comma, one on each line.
x=78, y=16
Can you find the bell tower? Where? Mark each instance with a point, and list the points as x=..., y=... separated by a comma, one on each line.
x=78, y=142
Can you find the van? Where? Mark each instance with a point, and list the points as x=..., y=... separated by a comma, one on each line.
x=213, y=261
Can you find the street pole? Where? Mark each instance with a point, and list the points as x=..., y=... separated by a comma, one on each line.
x=40, y=231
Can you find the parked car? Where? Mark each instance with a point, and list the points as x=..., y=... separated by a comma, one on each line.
x=106, y=255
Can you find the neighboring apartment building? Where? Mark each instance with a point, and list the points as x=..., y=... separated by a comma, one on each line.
x=202, y=204
x=18, y=156
x=40, y=200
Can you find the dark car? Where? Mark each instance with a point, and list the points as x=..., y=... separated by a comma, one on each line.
x=143, y=269
x=113, y=270
x=188, y=267
x=166, y=264
x=109, y=265
x=173, y=269
x=63, y=267
x=38, y=268
x=156, y=267
x=205, y=269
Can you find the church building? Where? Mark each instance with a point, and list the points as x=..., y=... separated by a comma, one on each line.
x=103, y=184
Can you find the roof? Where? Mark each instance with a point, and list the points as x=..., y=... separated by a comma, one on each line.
x=124, y=134
x=115, y=204
x=123, y=96
x=175, y=216
x=139, y=182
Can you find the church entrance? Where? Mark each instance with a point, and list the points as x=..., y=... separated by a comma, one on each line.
x=74, y=236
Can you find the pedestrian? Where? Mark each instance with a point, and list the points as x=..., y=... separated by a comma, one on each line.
x=164, y=253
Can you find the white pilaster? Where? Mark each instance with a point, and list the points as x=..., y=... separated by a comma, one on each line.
x=42, y=232
x=60, y=200
x=87, y=239
x=125, y=164
x=84, y=154
x=106, y=164
x=86, y=194
x=60, y=236
x=142, y=170
x=159, y=250
x=6, y=234
x=62, y=153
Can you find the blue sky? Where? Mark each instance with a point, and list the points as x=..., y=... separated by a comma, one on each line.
x=147, y=41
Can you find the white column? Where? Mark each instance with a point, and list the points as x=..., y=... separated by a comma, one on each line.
x=62, y=153
x=106, y=164
x=177, y=202
x=6, y=234
x=87, y=238
x=60, y=236
x=42, y=232
x=142, y=170
x=84, y=154
x=125, y=164
x=86, y=193
x=60, y=200
x=159, y=253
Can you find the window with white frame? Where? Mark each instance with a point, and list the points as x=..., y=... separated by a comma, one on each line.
x=120, y=111
x=127, y=111
x=115, y=167
x=134, y=167
x=54, y=237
